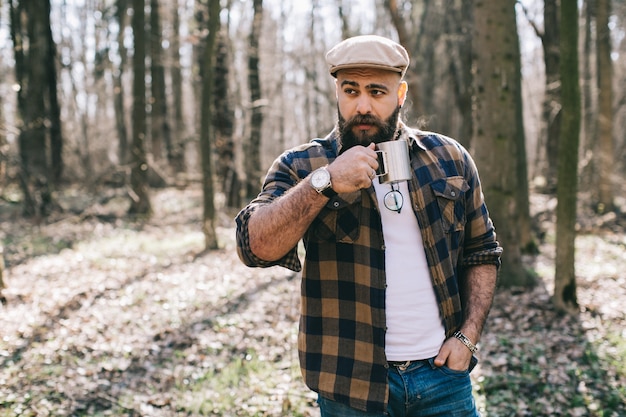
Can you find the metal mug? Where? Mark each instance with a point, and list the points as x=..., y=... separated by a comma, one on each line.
x=393, y=161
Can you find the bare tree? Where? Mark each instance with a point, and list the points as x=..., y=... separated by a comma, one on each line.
x=253, y=151
x=498, y=142
x=605, y=160
x=177, y=156
x=206, y=127
x=224, y=121
x=140, y=199
x=54, y=109
x=37, y=104
x=118, y=84
x=565, y=298
x=160, y=127
x=588, y=95
x=547, y=149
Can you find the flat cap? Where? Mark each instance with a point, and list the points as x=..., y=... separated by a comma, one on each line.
x=368, y=51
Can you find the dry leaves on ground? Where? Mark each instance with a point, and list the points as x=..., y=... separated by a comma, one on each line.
x=111, y=317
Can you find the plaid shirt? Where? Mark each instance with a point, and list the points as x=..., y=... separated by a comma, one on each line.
x=341, y=341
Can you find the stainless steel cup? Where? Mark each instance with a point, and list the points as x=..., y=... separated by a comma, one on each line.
x=393, y=161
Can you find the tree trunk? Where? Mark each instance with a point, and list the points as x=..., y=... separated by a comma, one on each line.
x=606, y=149
x=118, y=85
x=160, y=127
x=4, y=154
x=498, y=142
x=140, y=200
x=565, y=298
x=342, y=11
x=31, y=59
x=223, y=121
x=235, y=182
x=54, y=109
x=253, y=154
x=459, y=23
x=177, y=156
x=206, y=128
x=588, y=98
x=552, y=101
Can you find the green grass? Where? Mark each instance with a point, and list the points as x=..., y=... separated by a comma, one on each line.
x=240, y=388
x=585, y=390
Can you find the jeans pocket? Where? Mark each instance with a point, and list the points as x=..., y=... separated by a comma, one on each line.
x=450, y=372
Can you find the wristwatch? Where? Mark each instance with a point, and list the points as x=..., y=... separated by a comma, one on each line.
x=320, y=181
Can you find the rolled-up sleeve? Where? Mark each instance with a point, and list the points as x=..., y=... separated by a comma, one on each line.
x=481, y=246
x=290, y=260
x=282, y=176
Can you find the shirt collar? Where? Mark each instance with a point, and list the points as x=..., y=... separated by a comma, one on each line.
x=411, y=136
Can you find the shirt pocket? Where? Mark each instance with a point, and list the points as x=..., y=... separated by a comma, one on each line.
x=339, y=220
x=449, y=193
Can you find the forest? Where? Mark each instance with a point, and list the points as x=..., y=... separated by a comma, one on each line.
x=133, y=131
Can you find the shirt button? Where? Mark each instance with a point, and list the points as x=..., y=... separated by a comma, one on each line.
x=336, y=204
x=452, y=193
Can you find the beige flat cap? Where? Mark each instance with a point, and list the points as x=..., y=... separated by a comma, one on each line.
x=368, y=51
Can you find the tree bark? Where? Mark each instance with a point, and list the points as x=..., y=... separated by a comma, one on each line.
x=207, y=131
x=565, y=299
x=588, y=98
x=552, y=101
x=253, y=160
x=605, y=146
x=118, y=85
x=31, y=43
x=177, y=156
x=160, y=127
x=498, y=142
x=223, y=121
x=140, y=199
x=54, y=109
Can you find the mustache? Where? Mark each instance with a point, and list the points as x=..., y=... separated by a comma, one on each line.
x=363, y=119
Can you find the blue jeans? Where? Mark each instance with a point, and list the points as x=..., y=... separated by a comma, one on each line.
x=421, y=390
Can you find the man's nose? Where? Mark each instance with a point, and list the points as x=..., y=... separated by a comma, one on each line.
x=364, y=105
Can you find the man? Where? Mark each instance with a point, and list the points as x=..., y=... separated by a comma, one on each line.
x=394, y=295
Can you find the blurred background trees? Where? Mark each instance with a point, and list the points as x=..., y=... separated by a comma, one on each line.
x=142, y=94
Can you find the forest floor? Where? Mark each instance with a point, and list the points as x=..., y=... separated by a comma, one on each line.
x=111, y=317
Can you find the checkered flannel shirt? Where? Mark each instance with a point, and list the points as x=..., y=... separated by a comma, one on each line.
x=341, y=341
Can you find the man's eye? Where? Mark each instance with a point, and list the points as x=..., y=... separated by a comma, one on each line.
x=377, y=92
x=350, y=91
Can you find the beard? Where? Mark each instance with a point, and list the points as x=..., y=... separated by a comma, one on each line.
x=385, y=129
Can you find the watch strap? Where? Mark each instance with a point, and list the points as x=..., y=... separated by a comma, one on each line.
x=329, y=192
x=466, y=341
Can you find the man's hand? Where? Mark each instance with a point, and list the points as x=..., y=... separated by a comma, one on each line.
x=354, y=169
x=454, y=354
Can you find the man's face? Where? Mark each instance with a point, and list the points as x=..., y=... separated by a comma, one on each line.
x=369, y=103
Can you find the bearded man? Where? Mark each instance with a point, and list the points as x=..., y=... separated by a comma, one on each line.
x=393, y=301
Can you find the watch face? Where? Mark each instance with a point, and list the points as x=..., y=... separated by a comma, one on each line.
x=320, y=178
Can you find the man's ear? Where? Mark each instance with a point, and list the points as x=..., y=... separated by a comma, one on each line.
x=402, y=91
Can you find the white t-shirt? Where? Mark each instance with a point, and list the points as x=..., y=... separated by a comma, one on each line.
x=414, y=327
